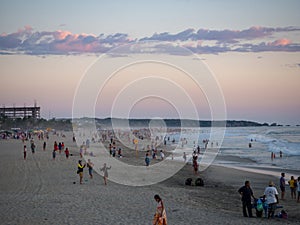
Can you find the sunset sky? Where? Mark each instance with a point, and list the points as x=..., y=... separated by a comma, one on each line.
x=251, y=48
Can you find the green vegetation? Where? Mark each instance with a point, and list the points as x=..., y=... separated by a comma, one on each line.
x=66, y=124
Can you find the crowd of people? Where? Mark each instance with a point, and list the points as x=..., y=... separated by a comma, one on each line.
x=270, y=199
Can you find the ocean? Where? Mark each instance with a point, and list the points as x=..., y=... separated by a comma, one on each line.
x=264, y=141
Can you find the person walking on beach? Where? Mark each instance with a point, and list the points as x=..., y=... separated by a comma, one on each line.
x=55, y=146
x=195, y=163
x=160, y=216
x=147, y=159
x=44, y=145
x=282, y=185
x=90, y=166
x=105, y=172
x=80, y=167
x=184, y=156
x=67, y=152
x=25, y=151
x=53, y=154
x=292, y=182
x=271, y=195
x=246, y=193
x=32, y=147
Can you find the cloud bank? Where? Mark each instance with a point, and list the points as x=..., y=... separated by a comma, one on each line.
x=202, y=41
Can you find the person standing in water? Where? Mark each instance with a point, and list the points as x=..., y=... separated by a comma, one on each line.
x=160, y=216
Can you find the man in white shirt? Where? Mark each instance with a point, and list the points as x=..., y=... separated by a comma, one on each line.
x=271, y=195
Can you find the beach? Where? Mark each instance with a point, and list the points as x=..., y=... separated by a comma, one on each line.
x=40, y=190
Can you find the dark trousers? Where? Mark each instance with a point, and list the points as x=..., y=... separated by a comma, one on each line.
x=271, y=209
x=247, y=205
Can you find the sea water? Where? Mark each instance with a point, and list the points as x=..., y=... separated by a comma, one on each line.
x=264, y=141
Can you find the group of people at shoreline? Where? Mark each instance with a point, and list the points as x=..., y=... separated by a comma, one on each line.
x=294, y=186
x=270, y=199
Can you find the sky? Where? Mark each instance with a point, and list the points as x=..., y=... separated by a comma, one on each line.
x=250, y=48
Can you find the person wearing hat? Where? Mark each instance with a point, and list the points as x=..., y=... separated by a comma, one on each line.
x=271, y=196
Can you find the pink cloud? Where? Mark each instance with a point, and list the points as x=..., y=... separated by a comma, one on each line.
x=26, y=30
x=28, y=41
x=76, y=47
x=280, y=42
x=60, y=34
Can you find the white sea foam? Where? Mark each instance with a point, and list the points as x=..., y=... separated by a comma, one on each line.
x=264, y=140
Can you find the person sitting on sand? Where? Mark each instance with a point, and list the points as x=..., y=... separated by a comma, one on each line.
x=160, y=216
x=246, y=193
x=271, y=195
x=80, y=167
x=105, y=172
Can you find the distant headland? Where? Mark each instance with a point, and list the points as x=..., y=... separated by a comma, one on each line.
x=66, y=123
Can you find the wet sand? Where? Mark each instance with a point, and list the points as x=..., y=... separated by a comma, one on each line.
x=40, y=190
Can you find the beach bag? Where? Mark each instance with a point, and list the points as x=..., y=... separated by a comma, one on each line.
x=199, y=182
x=283, y=214
x=188, y=181
x=259, y=205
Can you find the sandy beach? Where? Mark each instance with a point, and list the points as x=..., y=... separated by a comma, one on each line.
x=40, y=190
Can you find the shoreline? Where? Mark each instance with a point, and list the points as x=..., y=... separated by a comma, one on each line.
x=246, y=164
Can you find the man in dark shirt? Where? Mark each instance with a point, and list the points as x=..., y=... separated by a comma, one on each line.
x=282, y=185
x=246, y=193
